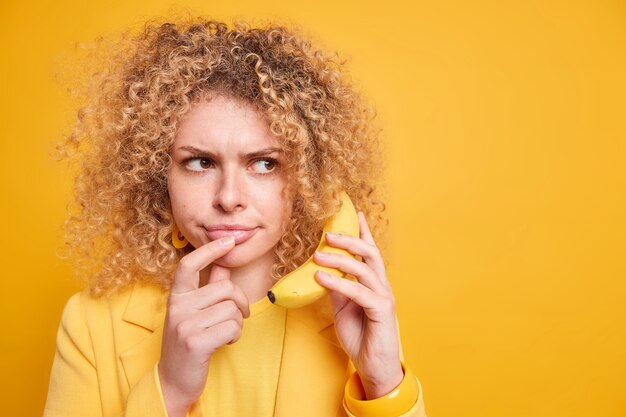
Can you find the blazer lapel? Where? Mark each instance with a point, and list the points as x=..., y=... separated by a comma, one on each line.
x=146, y=311
x=313, y=369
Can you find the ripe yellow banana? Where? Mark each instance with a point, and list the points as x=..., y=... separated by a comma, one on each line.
x=299, y=287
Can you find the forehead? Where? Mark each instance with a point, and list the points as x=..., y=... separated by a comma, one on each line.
x=223, y=122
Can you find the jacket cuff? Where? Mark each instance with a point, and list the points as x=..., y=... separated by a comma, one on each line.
x=400, y=400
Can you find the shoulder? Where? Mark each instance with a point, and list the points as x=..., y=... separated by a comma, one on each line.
x=137, y=303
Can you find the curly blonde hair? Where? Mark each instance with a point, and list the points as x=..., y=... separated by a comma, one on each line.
x=120, y=230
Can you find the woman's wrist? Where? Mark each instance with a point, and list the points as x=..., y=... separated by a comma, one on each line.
x=175, y=404
x=376, y=387
x=174, y=408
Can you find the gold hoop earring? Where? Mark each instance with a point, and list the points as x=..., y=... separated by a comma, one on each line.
x=178, y=240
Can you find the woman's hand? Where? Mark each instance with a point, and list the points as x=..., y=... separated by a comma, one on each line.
x=365, y=316
x=199, y=320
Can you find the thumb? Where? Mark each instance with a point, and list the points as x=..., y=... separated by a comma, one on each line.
x=218, y=273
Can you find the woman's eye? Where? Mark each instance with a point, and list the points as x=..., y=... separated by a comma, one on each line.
x=264, y=166
x=199, y=164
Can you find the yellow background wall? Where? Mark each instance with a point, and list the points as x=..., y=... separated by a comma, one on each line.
x=506, y=134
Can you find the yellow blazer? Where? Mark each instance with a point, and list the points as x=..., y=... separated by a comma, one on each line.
x=107, y=351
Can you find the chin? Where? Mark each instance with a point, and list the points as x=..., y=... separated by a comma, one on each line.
x=229, y=263
x=233, y=259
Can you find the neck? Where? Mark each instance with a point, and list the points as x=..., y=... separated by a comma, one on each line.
x=253, y=279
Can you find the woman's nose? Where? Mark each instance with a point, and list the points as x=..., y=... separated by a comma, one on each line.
x=230, y=193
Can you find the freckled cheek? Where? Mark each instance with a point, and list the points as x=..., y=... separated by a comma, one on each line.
x=191, y=204
x=185, y=199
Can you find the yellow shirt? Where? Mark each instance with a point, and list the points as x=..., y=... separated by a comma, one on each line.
x=234, y=386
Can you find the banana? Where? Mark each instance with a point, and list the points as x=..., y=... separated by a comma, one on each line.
x=299, y=287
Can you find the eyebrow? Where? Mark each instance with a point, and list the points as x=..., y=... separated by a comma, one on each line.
x=255, y=154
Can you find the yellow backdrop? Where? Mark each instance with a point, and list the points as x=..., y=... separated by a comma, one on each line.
x=506, y=138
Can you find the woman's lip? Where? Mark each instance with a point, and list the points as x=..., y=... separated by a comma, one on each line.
x=241, y=235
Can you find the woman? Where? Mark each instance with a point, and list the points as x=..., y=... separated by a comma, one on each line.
x=210, y=159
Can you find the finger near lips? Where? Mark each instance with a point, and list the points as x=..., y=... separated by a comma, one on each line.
x=187, y=275
x=201, y=257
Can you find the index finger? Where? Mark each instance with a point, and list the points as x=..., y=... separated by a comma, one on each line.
x=187, y=277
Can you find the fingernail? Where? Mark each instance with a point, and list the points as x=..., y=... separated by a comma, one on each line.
x=331, y=234
x=228, y=240
x=323, y=275
x=321, y=254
